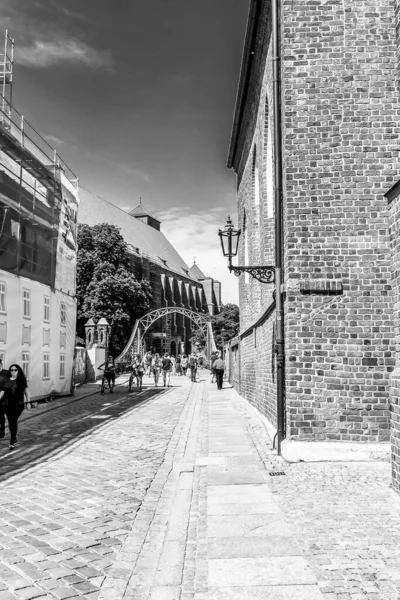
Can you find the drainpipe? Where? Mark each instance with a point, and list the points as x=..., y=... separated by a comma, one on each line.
x=278, y=178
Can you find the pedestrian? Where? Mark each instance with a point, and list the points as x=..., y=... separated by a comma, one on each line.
x=147, y=361
x=166, y=369
x=213, y=358
x=138, y=367
x=109, y=368
x=156, y=368
x=178, y=366
x=184, y=364
x=13, y=394
x=3, y=379
x=193, y=366
x=173, y=361
x=219, y=368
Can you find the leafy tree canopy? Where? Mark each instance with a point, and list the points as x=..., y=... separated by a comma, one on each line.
x=225, y=326
x=105, y=285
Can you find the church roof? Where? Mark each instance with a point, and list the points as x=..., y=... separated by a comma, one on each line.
x=141, y=238
x=196, y=272
x=141, y=211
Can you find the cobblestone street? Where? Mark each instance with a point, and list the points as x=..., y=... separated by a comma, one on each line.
x=167, y=495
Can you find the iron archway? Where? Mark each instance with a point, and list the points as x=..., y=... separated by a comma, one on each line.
x=201, y=320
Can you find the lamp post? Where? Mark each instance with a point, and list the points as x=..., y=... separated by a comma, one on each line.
x=265, y=274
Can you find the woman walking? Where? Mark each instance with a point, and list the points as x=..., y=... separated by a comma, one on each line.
x=156, y=367
x=138, y=370
x=178, y=367
x=184, y=364
x=13, y=394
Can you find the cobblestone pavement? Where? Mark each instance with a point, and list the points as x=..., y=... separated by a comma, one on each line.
x=70, y=493
x=345, y=518
x=167, y=495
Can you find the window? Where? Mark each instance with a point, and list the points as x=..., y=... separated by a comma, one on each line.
x=246, y=248
x=62, y=366
x=46, y=313
x=2, y=297
x=268, y=162
x=25, y=364
x=255, y=180
x=26, y=297
x=46, y=365
x=63, y=315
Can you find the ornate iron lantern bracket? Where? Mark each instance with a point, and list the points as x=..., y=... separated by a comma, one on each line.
x=230, y=241
x=262, y=274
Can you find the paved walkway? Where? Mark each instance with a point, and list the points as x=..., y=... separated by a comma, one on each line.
x=177, y=495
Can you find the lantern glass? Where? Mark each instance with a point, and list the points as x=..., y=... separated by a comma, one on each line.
x=229, y=239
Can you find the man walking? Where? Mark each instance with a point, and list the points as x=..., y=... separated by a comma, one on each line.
x=166, y=369
x=219, y=368
x=193, y=367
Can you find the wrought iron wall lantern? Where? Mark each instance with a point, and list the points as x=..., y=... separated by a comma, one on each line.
x=229, y=237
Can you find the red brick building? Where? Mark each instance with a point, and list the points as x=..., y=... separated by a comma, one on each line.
x=340, y=151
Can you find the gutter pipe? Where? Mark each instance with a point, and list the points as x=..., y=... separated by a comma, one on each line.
x=278, y=184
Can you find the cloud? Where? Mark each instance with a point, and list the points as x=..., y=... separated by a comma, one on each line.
x=194, y=234
x=53, y=140
x=42, y=54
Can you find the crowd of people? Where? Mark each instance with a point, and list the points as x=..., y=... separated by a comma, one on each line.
x=162, y=367
x=14, y=396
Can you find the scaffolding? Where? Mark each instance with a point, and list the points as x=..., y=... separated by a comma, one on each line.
x=32, y=195
x=6, y=79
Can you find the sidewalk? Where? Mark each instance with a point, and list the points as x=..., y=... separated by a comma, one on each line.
x=226, y=519
x=213, y=527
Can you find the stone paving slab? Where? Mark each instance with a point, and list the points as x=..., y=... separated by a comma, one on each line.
x=250, y=547
x=290, y=592
x=255, y=571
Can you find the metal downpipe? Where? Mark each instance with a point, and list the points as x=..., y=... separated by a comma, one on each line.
x=278, y=179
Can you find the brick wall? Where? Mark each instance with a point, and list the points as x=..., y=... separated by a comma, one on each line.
x=340, y=134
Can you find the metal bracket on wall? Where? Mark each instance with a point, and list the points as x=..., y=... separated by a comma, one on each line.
x=262, y=274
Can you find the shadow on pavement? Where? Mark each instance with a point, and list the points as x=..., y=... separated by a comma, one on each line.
x=46, y=435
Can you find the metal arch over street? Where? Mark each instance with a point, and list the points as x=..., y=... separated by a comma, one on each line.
x=201, y=320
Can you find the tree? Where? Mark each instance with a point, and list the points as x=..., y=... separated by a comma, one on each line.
x=225, y=326
x=105, y=285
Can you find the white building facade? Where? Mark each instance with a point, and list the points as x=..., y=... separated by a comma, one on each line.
x=38, y=214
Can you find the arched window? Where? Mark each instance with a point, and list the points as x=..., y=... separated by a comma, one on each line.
x=246, y=246
x=269, y=175
x=255, y=180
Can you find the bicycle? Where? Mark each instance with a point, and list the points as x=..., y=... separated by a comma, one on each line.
x=107, y=381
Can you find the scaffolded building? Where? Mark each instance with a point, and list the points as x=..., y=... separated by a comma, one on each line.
x=38, y=215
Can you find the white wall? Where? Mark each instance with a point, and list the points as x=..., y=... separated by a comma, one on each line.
x=13, y=346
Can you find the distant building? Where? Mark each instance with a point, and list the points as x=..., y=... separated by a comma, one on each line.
x=38, y=216
x=154, y=258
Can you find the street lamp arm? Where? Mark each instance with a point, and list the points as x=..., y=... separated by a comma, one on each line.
x=264, y=274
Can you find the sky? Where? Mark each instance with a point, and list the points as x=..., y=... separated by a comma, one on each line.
x=138, y=96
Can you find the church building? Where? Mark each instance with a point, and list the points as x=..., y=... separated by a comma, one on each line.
x=154, y=258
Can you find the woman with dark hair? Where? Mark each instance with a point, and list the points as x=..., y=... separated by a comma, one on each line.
x=13, y=394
